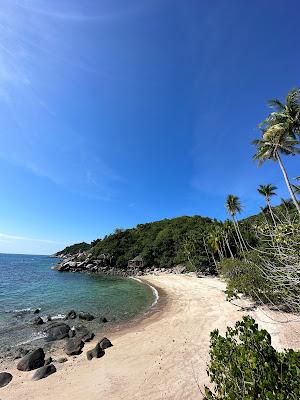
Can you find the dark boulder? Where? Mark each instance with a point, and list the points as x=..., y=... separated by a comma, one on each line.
x=83, y=333
x=33, y=360
x=105, y=343
x=103, y=320
x=36, y=311
x=5, y=378
x=74, y=346
x=38, y=321
x=57, y=331
x=43, y=372
x=96, y=352
x=49, y=318
x=71, y=315
x=86, y=316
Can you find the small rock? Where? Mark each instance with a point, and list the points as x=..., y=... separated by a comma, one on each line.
x=36, y=311
x=74, y=346
x=105, y=343
x=5, y=378
x=49, y=318
x=71, y=315
x=96, y=352
x=86, y=316
x=62, y=359
x=83, y=333
x=43, y=372
x=32, y=360
x=103, y=320
x=38, y=321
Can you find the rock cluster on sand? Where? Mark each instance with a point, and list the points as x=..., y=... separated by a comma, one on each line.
x=98, y=350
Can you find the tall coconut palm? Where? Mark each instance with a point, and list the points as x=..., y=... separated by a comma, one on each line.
x=287, y=114
x=268, y=191
x=273, y=143
x=233, y=207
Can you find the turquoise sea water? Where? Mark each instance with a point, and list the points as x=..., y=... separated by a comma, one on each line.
x=28, y=282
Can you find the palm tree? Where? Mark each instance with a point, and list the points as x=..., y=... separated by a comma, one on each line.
x=274, y=142
x=233, y=207
x=287, y=114
x=268, y=191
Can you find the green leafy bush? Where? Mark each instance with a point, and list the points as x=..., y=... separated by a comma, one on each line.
x=245, y=366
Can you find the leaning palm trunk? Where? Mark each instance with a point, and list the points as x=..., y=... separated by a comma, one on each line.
x=239, y=235
x=288, y=184
x=228, y=246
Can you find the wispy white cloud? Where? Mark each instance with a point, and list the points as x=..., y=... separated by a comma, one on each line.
x=6, y=238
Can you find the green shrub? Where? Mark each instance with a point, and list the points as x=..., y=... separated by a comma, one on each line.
x=244, y=366
x=244, y=275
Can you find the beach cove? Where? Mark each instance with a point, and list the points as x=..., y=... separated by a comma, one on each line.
x=162, y=355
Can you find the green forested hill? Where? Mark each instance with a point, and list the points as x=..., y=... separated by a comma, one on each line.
x=162, y=243
x=74, y=249
x=194, y=241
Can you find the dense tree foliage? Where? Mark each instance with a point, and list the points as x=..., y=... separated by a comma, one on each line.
x=162, y=243
x=74, y=249
x=244, y=365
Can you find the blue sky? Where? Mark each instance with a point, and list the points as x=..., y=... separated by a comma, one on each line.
x=120, y=112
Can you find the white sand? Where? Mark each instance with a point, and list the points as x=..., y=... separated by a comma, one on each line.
x=163, y=356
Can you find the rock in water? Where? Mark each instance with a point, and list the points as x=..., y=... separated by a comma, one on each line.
x=103, y=320
x=38, y=321
x=105, y=343
x=83, y=333
x=71, y=315
x=33, y=360
x=36, y=311
x=5, y=378
x=96, y=352
x=86, y=316
x=74, y=346
x=57, y=331
x=43, y=372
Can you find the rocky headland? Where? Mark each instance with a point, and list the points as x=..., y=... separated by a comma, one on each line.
x=104, y=265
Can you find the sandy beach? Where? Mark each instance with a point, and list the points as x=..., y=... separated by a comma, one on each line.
x=163, y=356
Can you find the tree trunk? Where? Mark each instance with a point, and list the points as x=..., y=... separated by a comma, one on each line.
x=228, y=246
x=242, y=239
x=237, y=233
x=288, y=184
x=271, y=211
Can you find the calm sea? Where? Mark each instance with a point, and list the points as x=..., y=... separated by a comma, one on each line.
x=28, y=282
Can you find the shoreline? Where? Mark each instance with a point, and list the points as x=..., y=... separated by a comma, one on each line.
x=161, y=354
